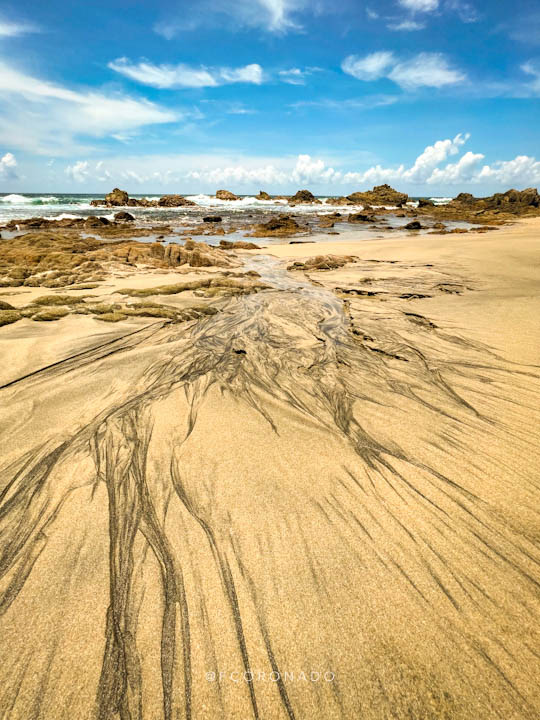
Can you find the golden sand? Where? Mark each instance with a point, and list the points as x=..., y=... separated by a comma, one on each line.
x=320, y=502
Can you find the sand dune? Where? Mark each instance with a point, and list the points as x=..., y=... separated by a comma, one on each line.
x=321, y=502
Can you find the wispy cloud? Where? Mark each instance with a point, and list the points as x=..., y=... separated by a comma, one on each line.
x=273, y=16
x=47, y=118
x=10, y=28
x=368, y=102
x=186, y=76
x=532, y=68
x=422, y=70
x=406, y=25
x=368, y=68
x=419, y=5
x=297, y=76
x=425, y=70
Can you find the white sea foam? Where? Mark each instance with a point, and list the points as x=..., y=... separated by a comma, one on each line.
x=440, y=200
x=15, y=199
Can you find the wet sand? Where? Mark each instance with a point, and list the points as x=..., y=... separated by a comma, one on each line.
x=321, y=502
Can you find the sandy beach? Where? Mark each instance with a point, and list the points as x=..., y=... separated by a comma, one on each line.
x=319, y=502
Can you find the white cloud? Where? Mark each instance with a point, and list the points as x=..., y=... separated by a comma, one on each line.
x=463, y=171
x=273, y=16
x=13, y=29
x=47, y=118
x=433, y=156
x=532, y=69
x=185, y=76
x=79, y=172
x=426, y=69
x=522, y=170
x=367, y=102
x=370, y=67
x=406, y=26
x=430, y=172
x=423, y=70
x=420, y=5
x=294, y=76
x=8, y=163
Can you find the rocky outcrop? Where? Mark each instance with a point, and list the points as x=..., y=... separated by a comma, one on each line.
x=263, y=196
x=121, y=198
x=361, y=218
x=497, y=208
x=380, y=195
x=237, y=245
x=340, y=201
x=123, y=216
x=175, y=201
x=194, y=254
x=116, y=197
x=323, y=262
x=304, y=197
x=280, y=226
x=226, y=195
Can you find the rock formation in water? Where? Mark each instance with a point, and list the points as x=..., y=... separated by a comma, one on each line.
x=380, y=195
x=120, y=198
x=304, y=197
x=280, y=226
x=226, y=195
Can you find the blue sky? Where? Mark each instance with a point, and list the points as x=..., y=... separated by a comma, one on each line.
x=432, y=96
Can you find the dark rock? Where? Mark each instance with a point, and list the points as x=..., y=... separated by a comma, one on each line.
x=279, y=226
x=226, y=195
x=95, y=222
x=117, y=197
x=380, y=195
x=238, y=245
x=304, y=196
x=175, y=201
x=212, y=219
x=360, y=218
x=424, y=202
x=263, y=196
x=124, y=216
x=414, y=225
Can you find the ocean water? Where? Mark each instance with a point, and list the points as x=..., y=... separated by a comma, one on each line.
x=72, y=205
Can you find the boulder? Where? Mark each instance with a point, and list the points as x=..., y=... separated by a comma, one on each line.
x=464, y=199
x=424, y=202
x=414, y=225
x=304, y=196
x=95, y=222
x=117, y=197
x=323, y=262
x=263, y=196
x=212, y=219
x=175, y=201
x=280, y=226
x=380, y=195
x=360, y=218
x=225, y=195
x=123, y=216
x=238, y=245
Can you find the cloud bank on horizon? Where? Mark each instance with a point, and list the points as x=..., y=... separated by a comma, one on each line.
x=270, y=92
